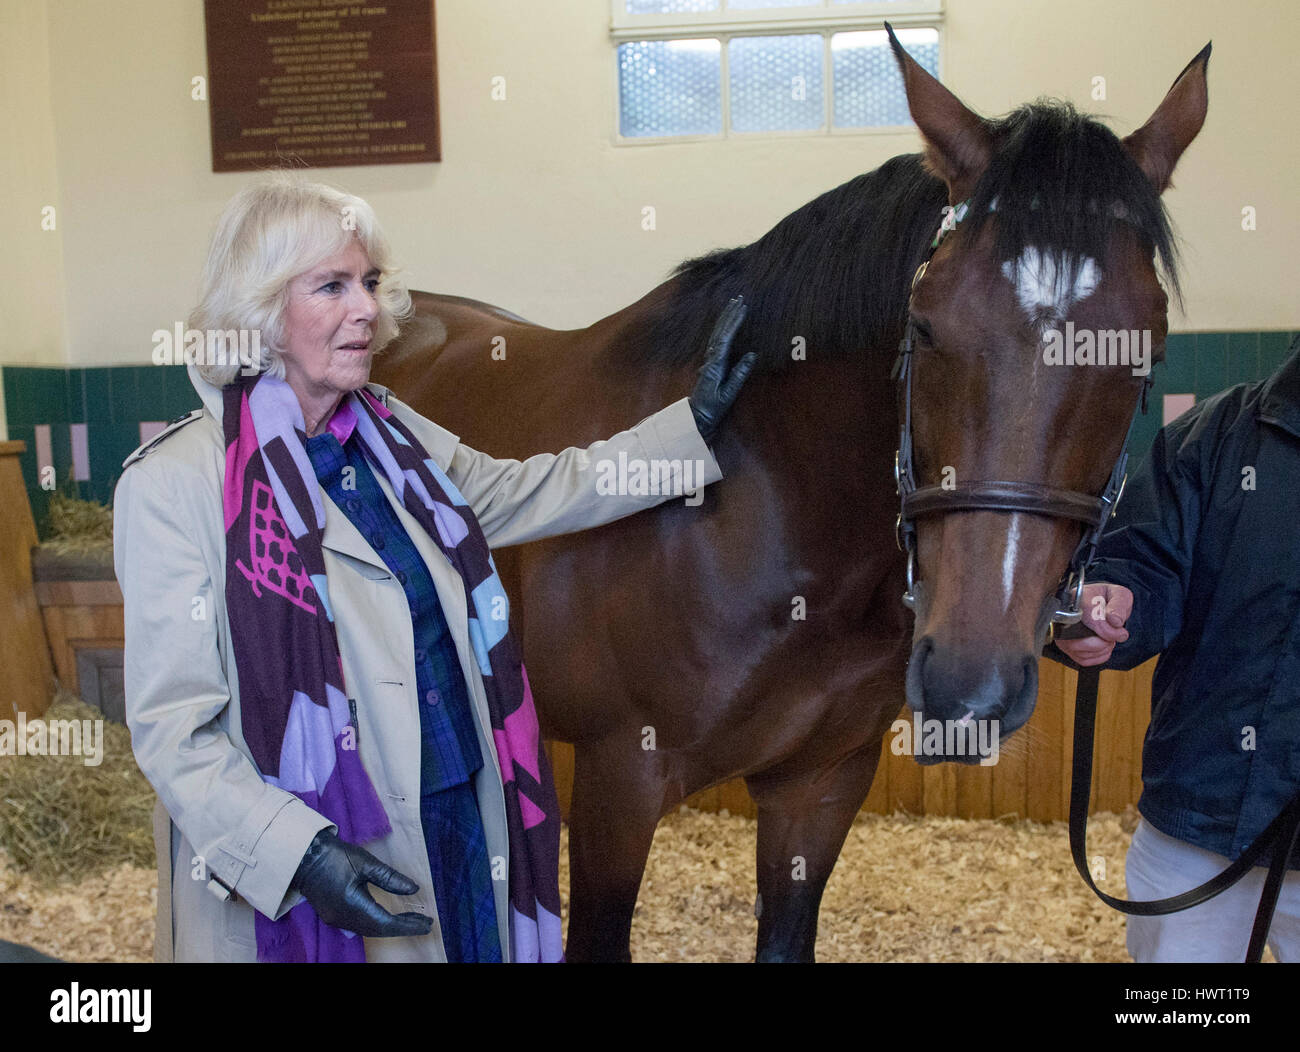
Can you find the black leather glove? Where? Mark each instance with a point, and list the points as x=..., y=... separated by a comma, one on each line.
x=717, y=388
x=333, y=876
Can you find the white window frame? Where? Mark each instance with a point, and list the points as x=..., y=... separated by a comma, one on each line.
x=723, y=25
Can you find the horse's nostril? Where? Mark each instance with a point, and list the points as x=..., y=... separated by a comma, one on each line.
x=1021, y=701
x=955, y=685
x=915, y=682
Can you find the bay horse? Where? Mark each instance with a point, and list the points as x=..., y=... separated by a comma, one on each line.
x=760, y=634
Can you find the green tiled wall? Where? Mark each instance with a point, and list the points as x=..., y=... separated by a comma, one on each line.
x=113, y=401
x=1204, y=363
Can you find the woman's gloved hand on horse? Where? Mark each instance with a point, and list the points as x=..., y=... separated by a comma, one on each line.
x=719, y=381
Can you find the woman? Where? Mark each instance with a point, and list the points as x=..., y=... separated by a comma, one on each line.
x=320, y=681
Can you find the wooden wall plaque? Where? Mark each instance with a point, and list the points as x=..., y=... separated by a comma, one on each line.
x=321, y=83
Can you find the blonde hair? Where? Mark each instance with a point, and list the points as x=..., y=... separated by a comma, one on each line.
x=273, y=230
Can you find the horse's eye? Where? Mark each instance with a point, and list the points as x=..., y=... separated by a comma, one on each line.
x=923, y=331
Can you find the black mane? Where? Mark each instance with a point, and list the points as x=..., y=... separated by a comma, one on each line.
x=837, y=271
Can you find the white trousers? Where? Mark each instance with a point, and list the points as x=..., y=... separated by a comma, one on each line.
x=1158, y=866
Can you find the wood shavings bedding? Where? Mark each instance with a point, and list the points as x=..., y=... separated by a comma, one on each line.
x=905, y=889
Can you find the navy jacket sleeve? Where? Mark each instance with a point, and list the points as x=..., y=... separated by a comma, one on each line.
x=1150, y=543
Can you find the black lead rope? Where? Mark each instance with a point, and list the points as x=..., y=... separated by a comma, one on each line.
x=1281, y=834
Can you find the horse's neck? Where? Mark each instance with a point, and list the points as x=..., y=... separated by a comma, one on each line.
x=558, y=388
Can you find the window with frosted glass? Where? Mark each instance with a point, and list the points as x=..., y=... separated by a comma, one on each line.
x=679, y=7
x=670, y=87
x=817, y=75
x=752, y=5
x=776, y=83
x=671, y=7
x=868, y=87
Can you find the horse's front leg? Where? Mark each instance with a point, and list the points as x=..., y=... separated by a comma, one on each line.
x=804, y=814
x=618, y=796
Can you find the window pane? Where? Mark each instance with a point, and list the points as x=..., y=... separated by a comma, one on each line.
x=776, y=83
x=868, y=86
x=736, y=5
x=670, y=7
x=670, y=87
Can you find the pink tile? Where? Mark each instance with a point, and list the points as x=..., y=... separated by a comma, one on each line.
x=1176, y=405
x=80, y=452
x=44, y=451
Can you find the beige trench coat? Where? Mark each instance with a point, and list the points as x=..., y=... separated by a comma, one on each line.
x=228, y=843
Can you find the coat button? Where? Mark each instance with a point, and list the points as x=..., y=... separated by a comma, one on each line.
x=401, y=576
x=420, y=655
x=377, y=542
x=354, y=506
x=432, y=697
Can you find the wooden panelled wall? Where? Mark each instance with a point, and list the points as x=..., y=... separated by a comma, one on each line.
x=80, y=615
x=24, y=656
x=1030, y=780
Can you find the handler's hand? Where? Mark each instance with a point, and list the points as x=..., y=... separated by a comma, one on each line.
x=716, y=390
x=1096, y=647
x=333, y=876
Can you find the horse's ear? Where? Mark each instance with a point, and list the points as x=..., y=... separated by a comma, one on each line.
x=957, y=141
x=1157, y=145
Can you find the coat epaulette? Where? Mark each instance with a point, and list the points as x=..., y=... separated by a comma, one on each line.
x=172, y=427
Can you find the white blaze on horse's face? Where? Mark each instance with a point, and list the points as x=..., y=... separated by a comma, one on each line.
x=1045, y=286
x=1010, y=560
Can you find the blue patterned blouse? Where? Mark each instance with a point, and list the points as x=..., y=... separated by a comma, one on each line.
x=449, y=751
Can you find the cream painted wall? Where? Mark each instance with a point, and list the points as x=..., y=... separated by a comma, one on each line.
x=31, y=263
x=536, y=209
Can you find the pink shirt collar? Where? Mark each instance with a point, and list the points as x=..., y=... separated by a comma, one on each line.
x=344, y=420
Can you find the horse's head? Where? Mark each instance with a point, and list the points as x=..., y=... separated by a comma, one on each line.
x=1015, y=425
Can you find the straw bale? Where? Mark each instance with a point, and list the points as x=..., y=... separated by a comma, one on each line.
x=76, y=526
x=62, y=820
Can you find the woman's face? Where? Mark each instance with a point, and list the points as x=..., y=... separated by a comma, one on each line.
x=329, y=328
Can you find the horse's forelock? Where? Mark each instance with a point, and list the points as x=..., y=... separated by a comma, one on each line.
x=1058, y=181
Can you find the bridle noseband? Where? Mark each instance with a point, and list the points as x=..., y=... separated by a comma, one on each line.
x=1036, y=499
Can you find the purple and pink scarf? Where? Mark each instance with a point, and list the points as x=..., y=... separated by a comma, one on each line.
x=294, y=707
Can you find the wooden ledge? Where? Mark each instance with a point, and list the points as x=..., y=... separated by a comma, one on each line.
x=78, y=593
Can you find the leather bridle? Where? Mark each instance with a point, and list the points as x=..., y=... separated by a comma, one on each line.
x=917, y=502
